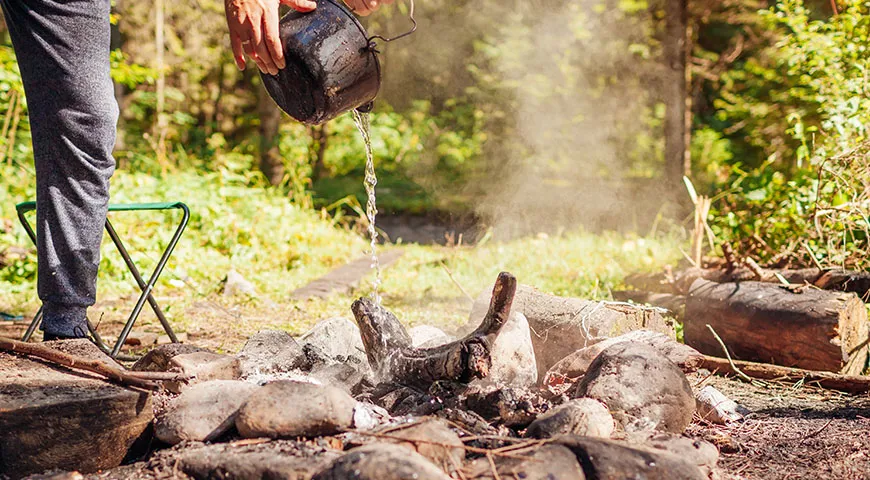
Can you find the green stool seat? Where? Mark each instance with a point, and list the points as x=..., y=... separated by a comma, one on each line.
x=146, y=287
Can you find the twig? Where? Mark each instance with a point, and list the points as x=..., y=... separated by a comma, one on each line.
x=145, y=380
x=731, y=362
x=455, y=282
x=483, y=451
x=754, y=267
x=492, y=466
x=820, y=430
x=813, y=257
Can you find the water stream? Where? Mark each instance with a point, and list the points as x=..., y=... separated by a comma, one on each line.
x=362, y=123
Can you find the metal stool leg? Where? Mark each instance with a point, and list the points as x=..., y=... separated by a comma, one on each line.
x=152, y=281
x=32, y=327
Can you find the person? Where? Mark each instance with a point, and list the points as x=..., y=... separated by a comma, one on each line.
x=62, y=48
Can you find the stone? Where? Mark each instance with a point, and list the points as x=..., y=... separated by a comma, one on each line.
x=575, y=365
x=287, y=409
x=284, y=459
x=427, y=336
x=581, y=416
x=336, y=337
x=513, y=357
x=157, y=360
x=642, y=388
x=142, y=339
x=422, y=438
x=611, y=460
x=713, y=406
x=342, y=375
x=236, y=285
x=367, y=416
x=699, y=452
x=270, y=352
x=549, y=462
x=562, y=325
x=203, y=412
x=202, y=367
x=381, y=461
x=55, y=418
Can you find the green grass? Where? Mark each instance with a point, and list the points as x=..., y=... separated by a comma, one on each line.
x=279, y=247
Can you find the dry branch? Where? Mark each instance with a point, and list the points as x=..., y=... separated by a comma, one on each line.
x=391, y=354
x=146, y=380
x=765, y=371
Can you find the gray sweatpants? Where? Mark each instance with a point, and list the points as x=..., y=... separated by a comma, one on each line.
x=62, y=47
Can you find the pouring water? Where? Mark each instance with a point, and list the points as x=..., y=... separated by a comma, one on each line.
x=362, y=123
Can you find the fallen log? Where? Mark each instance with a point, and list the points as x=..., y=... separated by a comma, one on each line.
x=146, y=380
x=838, y=279
x=392, y=356
x=766, y=371
x=809, y=328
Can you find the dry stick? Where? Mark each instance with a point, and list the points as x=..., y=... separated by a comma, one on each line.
x=492, y=466
x=828, y=380
x=134, y=379
x=730, y=361
x=455, y=282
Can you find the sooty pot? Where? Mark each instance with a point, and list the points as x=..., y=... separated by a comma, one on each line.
x=331, y=64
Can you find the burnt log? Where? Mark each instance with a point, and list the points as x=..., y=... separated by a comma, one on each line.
x=394, y=359
x=763, y=322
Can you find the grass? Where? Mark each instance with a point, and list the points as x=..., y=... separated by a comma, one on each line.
x=279, y=247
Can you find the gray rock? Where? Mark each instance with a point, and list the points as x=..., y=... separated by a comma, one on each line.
x=157, y=360
x=336, y=337
x=202, y=412
x=565, y=324
x=642, y=388
x=382, y=461
x=513, y=357
x=575, y=365
x=270, y=352
x=236, y=285
x=282, y=459
x=550, y=462
x=610, y=460
x=346, y=376
x=581, y=416
x=287, y=409
x=697, y=451
x=426, y=336
x=202, y=367
x=428, y=437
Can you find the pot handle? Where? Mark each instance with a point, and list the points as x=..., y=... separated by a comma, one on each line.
x=412, y=30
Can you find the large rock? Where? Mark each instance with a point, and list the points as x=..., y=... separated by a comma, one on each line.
x=287, y=409
x=336, y=337
x=513, y=357
x=426, y=336
x=382, y=461
x=609, y=460
x=699, y=452
x=581, y=416
x=157, y=360
x=642, y=388
x=53, y=418
x=203, y=412
x=432, y=438
x=563, y=325
x=270, y=352
x=575, y=365
x=201, y=367
x=549, y=462
x=282, y=459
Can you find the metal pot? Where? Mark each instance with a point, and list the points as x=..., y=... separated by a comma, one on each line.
x=331, y=64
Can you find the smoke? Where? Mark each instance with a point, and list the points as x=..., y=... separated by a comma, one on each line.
x=582, y=133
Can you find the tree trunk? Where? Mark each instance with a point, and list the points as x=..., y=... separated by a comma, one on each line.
x=677, y=117
x=764, y=322
x=271, y=163
x=391, y=355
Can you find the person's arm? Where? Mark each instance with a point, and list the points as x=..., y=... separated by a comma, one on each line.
x=253, y=28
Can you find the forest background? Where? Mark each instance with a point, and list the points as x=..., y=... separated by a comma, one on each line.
x=519, y=117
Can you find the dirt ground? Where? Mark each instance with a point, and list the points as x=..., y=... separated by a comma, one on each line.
x=793, y=432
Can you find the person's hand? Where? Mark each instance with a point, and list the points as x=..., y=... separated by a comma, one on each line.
x=253, y=28
x=365, y=7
